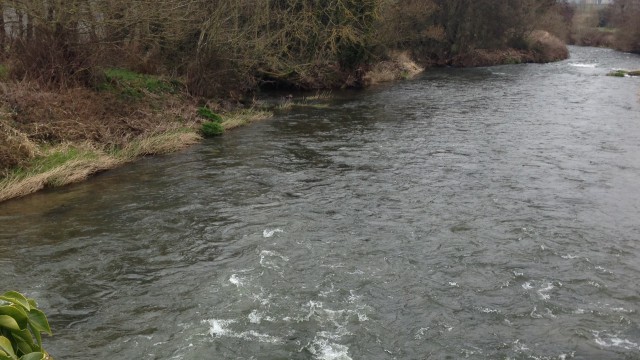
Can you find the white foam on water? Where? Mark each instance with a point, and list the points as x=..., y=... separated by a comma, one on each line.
x=352, y=296
x=453, y=284
x=594, y=284
x=608, y=341
x=516, y=273
x=334, y=335
x=583, y=65
x=543, y=291
x=255, y=317
x=534, y=314
x=273, y=261
x=270, y=258
x=422, y=332
x=362, y=317
x=527, y=285
x=220, y=328
x=267, y=233
x=622, y=310
x=489, y=311
x=519, y=347
x=323, y=349
x=356, y=272
x=235, y=280
x=261, y=298
x=326, y=293
x=569, y=257
x=550, y=313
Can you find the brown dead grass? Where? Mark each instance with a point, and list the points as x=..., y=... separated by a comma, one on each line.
x=543, y=47
x=70, y=172
x=105, y=130
x=399, y=66
x=80, y=114
x=547, y=47
x=15, y=147
x=164, y=143
x=80, y=168
x=239, y=118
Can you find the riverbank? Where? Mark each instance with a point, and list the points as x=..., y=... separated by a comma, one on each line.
x=53, y=138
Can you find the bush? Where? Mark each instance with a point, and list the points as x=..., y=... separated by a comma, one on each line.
x=206, y=113
x=21, y=323
x=211, y=129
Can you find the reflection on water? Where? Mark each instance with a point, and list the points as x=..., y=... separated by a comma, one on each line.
x=476, y=213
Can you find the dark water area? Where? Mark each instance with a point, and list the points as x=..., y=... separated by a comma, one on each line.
x=489, y=213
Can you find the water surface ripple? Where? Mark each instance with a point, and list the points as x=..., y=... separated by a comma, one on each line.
x=487, y=213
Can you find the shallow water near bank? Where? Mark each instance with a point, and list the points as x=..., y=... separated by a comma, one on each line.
x=486, y=213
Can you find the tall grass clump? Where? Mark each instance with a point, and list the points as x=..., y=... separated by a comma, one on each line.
x=213, y=126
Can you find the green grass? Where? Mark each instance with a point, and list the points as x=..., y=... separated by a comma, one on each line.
x=4, y=72
x=52, y=160
x=618, y=73
x=130, y=84
x=623, y=73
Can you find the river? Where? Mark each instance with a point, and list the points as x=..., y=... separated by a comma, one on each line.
x=489, y=213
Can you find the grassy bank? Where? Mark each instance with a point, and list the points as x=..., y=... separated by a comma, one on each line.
x=51, y=138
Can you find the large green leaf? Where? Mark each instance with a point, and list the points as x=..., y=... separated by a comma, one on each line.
x=25, y=337
x=38, y=337
x=32, y=303
x=8, y=322
x=16, y=298
x=24, y=342
x=4, y=356
x=38, y=320
x=5, y=346
x=22, y=346
x=15, y=312
x=34, y=356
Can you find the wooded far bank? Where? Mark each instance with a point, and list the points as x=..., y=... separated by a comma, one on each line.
x=89, y=84
x=227, y=47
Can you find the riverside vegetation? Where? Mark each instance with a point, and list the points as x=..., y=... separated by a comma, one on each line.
x=87, y=85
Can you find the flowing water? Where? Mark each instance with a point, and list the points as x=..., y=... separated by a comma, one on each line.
x=489, y=213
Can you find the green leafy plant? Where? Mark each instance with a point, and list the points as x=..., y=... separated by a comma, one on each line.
x=211, y=129
x=617, y=73
x=21, y=325
x=206, y=113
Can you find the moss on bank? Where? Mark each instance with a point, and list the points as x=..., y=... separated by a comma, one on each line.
x=624, y=73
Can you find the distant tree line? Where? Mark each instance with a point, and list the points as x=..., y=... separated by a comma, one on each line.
x=625, y=16
x=222, y=46
x=615, y=25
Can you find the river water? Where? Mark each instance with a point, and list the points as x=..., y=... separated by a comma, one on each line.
x=489, y=213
